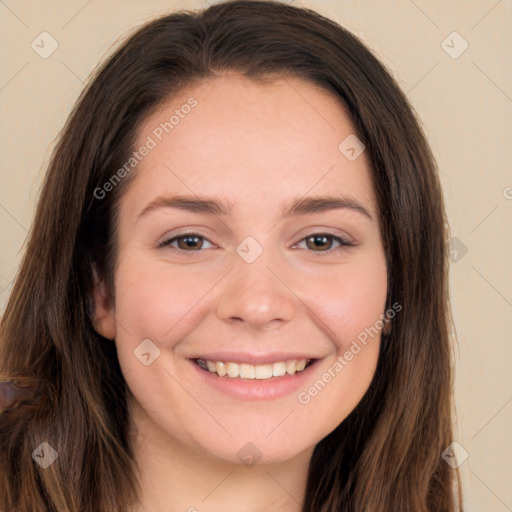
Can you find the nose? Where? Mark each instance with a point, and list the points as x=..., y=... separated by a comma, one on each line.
x=256, y=295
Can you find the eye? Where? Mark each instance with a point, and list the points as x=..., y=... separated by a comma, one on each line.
x=186, y=242
x=193, y=242
x=321, y=241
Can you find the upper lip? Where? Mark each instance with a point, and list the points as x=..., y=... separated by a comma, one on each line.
x=253, y=359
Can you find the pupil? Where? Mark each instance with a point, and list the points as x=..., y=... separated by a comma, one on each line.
x=320, y=239
x=187, y=239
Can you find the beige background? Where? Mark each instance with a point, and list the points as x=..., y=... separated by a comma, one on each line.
x=465, y=104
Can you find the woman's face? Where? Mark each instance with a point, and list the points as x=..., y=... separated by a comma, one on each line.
x=251, y=285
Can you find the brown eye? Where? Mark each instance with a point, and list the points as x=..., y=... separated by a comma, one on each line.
x=190, y=242
x=323, y=242
x=319, y=241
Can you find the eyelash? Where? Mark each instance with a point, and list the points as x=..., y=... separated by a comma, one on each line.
x=342, y=241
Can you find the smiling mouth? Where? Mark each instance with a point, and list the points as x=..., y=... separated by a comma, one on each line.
x=246, y=371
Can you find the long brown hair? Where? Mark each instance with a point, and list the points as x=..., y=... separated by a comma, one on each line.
x=386, y=455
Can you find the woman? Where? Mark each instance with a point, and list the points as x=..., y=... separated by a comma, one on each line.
x=176, y=341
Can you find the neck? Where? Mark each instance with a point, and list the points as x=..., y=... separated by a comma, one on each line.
x=175, y=476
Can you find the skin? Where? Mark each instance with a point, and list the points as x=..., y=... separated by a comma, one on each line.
x=255, y=146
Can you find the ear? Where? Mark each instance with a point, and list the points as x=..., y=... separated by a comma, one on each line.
x=104, y=321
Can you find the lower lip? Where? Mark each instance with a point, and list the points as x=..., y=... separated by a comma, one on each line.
x=256, y=389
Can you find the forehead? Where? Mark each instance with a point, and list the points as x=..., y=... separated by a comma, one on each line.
x=250, y=142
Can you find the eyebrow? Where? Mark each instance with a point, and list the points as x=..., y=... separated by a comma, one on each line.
x=222, y=208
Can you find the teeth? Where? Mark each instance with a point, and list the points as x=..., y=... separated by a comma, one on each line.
x=249, y=371
x=291, y=367
x=279, y=369
x=220, y=367
x=263, y=371
x=233, y=369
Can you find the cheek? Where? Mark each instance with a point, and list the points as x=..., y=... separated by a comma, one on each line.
x=153, y=299
x=158, y=303
x=349, y=306
x=350, y=299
